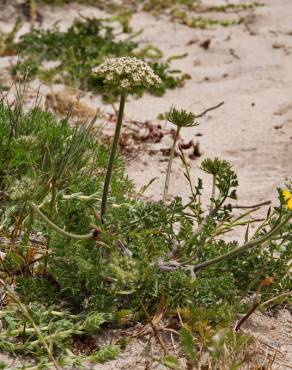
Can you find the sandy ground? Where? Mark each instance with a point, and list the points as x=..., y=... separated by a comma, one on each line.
x=249, y=67
x=252, y=74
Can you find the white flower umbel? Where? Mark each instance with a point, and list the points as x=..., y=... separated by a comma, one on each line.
x=128, y=76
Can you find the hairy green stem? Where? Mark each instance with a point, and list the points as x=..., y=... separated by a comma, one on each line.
x=213, y=193
x=112, y=157
x=171, y=156
x=17, y=332
x=58, y=229
x=245, y=246
x=59, y=335
x=52, y=205
x=282, y=295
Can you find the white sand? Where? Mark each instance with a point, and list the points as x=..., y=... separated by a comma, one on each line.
x=239, y=132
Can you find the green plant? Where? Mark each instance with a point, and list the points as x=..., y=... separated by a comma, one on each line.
x=129, y=76
x=186, y=11
x=7, y=40
x=160, y=6
x=72, y=275
x=44, y=161
x=80, y=48
x=49, y=326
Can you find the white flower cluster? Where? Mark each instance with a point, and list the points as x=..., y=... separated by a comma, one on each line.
x=22, y=189
x=27, y=140
x=127, y=73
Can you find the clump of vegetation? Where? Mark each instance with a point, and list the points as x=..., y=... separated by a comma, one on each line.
x=77, y=50
x=70, y=270
x=195, y=5
x=204, y=22
x=188, y=12
x=185, y=11
x=7, y=40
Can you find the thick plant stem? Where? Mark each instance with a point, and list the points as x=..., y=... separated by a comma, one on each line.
x=168, y=172
x=58, y=229
x=275, y=230
x=112, y=158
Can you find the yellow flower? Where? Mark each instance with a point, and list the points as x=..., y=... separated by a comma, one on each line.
x=287, y=194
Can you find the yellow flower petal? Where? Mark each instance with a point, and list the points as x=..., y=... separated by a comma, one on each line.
x=289, y=204
x=287, y=195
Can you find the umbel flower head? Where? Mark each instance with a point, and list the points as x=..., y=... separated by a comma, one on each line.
x=287, y=194
x=181, y=118
x=127, y=74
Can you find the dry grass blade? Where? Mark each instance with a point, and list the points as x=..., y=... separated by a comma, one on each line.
x=160, y=311
x=209, y=109
x=155, y=331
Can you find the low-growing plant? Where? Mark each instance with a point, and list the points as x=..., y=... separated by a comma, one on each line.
x=158, y=6
x=41, y=327
x=7, y=39
x=68, y=273
x=81, y=47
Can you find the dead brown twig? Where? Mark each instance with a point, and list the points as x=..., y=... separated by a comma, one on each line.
x=266, y=203
x=209, y=109
x=256, y=305
x=155, y=331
